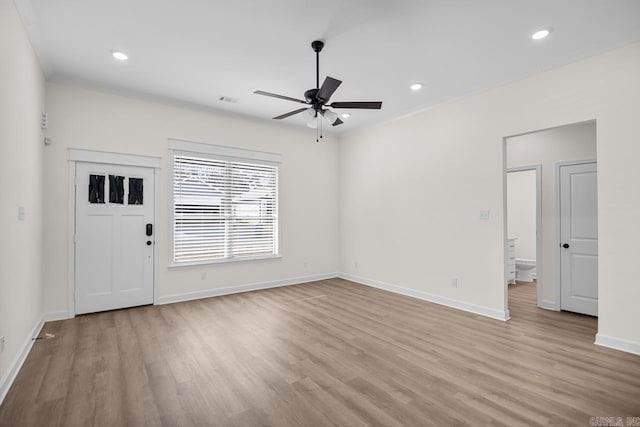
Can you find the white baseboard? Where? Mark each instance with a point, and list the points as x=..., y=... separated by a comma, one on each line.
x=188, y=296
x=618, y=344
x=52, y=316
x=14, y=367
x=449, y=302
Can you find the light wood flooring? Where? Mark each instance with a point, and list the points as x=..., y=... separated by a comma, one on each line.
x=328, y=353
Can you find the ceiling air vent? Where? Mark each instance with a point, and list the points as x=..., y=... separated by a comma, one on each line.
x=228, y=99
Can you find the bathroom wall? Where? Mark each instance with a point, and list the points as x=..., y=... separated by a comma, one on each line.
x=547, y=148
x=521, y=212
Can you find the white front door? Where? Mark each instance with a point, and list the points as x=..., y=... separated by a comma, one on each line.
x=114, y=237
x=579, y=238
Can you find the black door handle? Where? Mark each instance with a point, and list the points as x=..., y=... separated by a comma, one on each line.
x=566, y=246
x=149, y=229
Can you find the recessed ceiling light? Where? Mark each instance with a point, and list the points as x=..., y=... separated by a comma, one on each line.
x=416, y=86
x=120, y=56
x=346, y=115
x=540, y=34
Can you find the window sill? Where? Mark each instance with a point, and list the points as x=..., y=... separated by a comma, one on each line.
x=177, y=266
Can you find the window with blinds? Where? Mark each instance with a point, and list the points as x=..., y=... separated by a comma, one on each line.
x=223, y=210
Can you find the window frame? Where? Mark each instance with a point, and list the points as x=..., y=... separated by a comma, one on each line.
x=224, y=154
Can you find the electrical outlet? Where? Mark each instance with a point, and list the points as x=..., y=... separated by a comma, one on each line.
x=355, y=264
x=306, y=264
x=2, y=344
x=203, y=275
x=454, y=282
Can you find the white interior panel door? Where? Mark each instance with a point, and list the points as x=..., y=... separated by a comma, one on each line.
x=113, y=244
x=579, y=238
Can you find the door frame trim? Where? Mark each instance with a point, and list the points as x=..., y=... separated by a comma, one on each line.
x=539, y=276
x=120, y=159
x=558, y=236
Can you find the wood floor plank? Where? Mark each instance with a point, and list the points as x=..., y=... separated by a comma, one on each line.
x=327, y=353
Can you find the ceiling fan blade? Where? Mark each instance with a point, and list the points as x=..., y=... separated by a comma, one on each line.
x=365, y=105
x=328, y=87
x=290, y=113
x=275, y=95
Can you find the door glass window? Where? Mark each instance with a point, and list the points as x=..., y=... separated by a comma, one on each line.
x=116, y=189
x=96, y=188
x=136, y=190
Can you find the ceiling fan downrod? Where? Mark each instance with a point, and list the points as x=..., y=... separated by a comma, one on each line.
x=317, y=46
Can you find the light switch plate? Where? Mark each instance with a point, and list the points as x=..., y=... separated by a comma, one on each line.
x=484, y=214
x=20, y=213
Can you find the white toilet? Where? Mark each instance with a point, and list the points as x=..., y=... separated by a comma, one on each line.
x=525, y=270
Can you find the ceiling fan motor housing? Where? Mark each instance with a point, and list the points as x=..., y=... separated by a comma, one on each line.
x=310, y=96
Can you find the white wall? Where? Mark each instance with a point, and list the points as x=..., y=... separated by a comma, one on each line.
x=21, y=102
x=521, y=209
x=546, y=148
x=412, y=188
x=308, y=190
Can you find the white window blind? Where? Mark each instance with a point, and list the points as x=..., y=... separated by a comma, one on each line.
x=223, y=209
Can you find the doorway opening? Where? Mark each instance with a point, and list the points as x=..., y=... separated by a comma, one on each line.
x=551, y=218
x=524, y=223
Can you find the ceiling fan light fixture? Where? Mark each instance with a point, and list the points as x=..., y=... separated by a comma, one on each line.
x=415, y=86
x=330, y=116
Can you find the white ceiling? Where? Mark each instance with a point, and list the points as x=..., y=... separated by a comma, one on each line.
x=194, y=51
